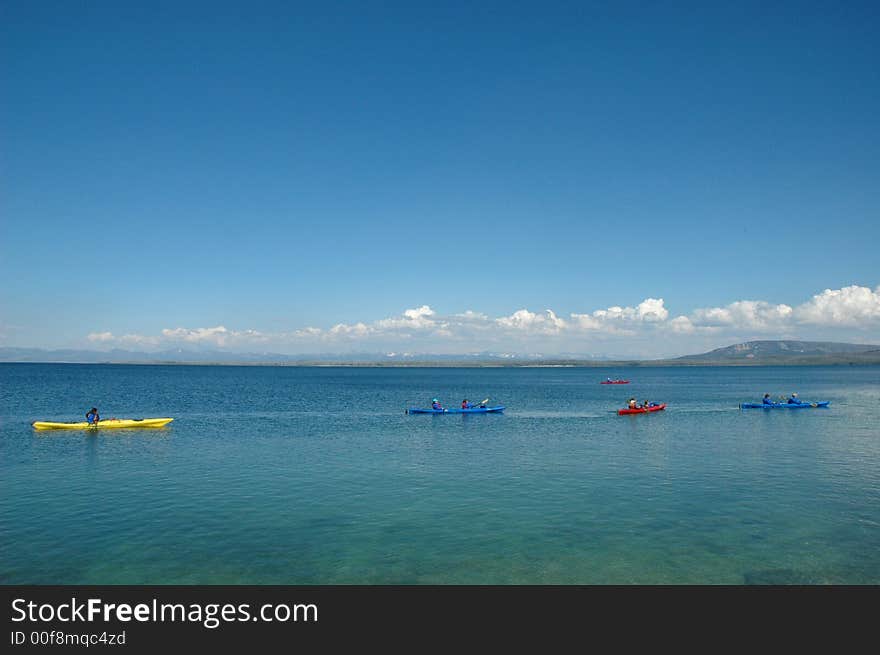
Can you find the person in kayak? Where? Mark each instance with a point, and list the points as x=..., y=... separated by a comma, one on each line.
x=767, y=399
x=631, y=403
x=435, y=404
x=465, y=404
x=92, y=416
x=647, y=404
x=794, y=400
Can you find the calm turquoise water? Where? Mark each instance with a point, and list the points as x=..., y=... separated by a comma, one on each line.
x=316, y=476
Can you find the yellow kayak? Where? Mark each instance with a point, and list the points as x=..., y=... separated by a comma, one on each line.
x=105, y=423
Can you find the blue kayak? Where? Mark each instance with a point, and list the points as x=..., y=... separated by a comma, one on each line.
x=474, y=410
x=783, y=405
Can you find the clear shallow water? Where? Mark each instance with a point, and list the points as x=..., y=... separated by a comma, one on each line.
x=316, y=476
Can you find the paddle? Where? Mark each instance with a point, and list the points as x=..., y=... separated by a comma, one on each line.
x=483, y=402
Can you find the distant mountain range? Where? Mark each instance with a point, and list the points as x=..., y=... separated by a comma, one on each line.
x=117, y=356
x=180, y=356
x=752, y=353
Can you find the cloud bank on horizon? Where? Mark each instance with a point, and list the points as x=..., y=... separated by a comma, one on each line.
x=648, y=329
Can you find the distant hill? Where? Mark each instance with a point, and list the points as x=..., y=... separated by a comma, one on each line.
x=787, y=352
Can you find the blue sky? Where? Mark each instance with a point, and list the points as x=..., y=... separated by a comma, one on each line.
x=271, y=167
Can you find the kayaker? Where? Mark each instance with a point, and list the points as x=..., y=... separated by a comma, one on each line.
x=92, y=416
x=609, y=379
x=767, y=399
x=631, y=403
x=465, y=404
x=794, y=400
x=435, y=404
x=647, y=404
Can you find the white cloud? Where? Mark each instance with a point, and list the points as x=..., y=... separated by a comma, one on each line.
x=744, y=314
x=650, y=310
x=356, y=330
x=470, y=315
x=825, y=315
x=215, y=335
x=526, y=321
x=586, y=322
x=850, y=306
x=412, y=319
x=418, y=315
x=137, y=340
x=622, y=320
x=682, y=325
x=470, y=323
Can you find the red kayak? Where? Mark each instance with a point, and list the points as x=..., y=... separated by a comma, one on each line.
x=656, y=408
x=614, y=382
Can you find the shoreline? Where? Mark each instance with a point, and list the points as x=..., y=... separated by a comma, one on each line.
x=835, y=362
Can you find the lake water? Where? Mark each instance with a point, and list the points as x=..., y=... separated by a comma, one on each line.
x=277, y=475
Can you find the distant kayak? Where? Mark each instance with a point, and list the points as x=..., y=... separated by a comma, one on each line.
x=104, y=424
x=474, y=410
x=614, y=382
x=824, y=403
x=641, y=410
